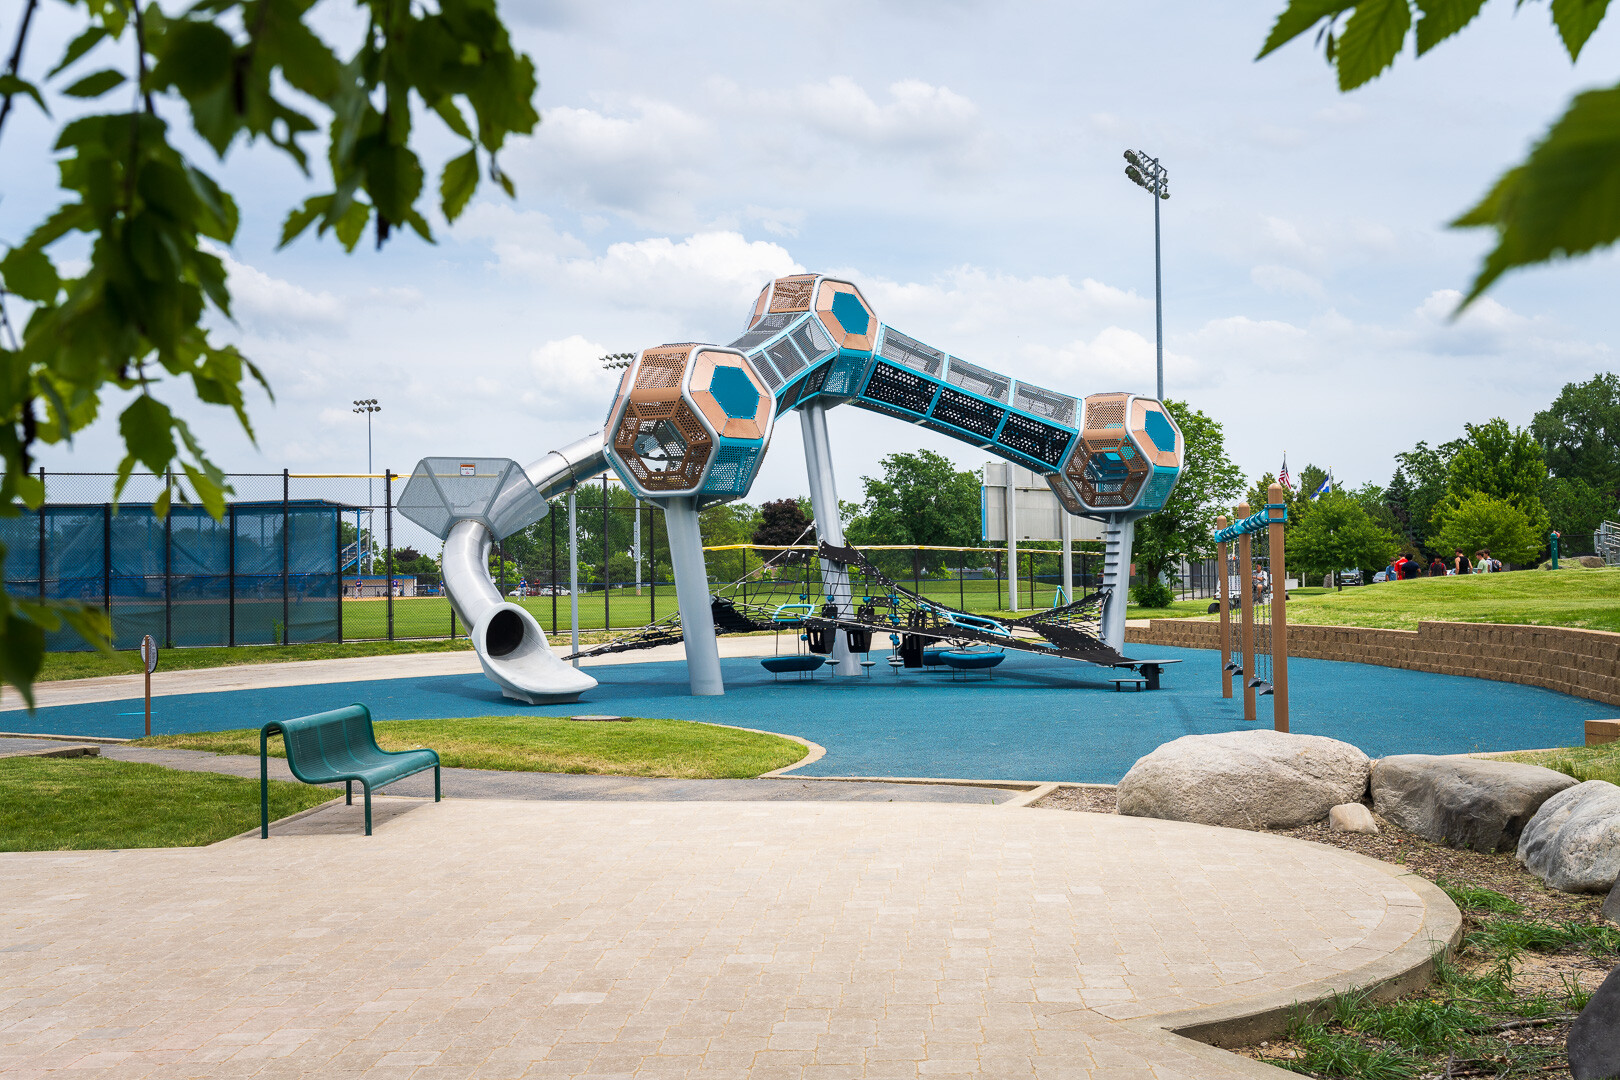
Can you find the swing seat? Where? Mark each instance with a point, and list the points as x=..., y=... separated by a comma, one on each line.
x=799, y=663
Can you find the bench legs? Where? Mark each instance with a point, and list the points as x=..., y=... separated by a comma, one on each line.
x=435, y=783
x=348, y=792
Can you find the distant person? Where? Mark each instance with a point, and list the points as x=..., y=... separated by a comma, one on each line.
x=1483, y=566
x=1438, y=567
x=1412, y=568
x=1460, y=563
x=1389, y=572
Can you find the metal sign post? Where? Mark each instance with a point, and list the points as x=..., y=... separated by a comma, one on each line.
x=149, y=661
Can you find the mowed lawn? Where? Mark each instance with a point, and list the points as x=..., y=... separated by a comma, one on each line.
x=1582, y=762
x=633, y=747
x=73, y=804
x=1585, y=599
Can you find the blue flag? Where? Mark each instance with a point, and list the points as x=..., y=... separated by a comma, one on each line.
x=1327, y=485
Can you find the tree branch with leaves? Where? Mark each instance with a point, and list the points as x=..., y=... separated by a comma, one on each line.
x=133, y=321
x=1563, y=199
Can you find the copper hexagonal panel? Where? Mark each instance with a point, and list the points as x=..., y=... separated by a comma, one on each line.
x=847, y=316
x=722, y=403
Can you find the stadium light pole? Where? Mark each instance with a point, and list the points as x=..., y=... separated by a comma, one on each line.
x=1146, y=173
x=368, y=406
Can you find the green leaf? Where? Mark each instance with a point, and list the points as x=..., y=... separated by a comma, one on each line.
x=77, y=48
x=195, y=58
x=148, y=430
x=352, y=224
x=1372, y=39
x=1576, y=19
x=450, y=113
x=1563, y=200
x=11, y=84
x=1298, y=17
x=457, y=184
x=30, y=274
x=300, y=219
x=21, y=655
x=95, y=85
x=1443, y=18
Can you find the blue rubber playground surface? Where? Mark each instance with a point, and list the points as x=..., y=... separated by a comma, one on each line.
x=1038, y=719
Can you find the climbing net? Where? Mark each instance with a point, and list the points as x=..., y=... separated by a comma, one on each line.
x=1251, y=582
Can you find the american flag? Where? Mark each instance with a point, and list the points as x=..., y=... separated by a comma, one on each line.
x=1282, y=477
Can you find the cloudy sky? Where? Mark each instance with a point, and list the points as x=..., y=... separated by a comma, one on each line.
x=960, y=161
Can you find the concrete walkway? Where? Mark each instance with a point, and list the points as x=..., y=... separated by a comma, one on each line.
x=350, y=669
x=493, y=784
x=503, y=939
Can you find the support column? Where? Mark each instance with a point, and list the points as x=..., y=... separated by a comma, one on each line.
x=1012, y=536
x=636, y=543
x=1066, y=573
x=573, y=572
x=1119, y=532
x=829, y=526
x=1277, y=514
x=1246, y=605
x=692, y=594
x=1224, y=596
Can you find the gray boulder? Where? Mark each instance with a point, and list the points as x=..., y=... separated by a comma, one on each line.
x=1573, y=842
x=1594, y=1037
x=1460, y=801
x=1248, y=779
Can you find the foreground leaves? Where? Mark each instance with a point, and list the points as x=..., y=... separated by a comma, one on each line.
x=1564, y=199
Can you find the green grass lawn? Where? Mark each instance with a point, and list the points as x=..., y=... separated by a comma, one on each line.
x=83, y=665
x=72, y=804
x=640, y=747
x=1582, y=762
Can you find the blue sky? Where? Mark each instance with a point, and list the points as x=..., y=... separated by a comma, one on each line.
x=961, y=161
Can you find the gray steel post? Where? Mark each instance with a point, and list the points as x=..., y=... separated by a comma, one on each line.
x=1118, y=534
x=692, y=594
x=829, y=526
x=573, y=572
x=636, y=541
x=1067, y=572
x=1012, y=536
x=1158, y=293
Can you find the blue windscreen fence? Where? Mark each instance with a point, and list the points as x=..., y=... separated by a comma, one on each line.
x=266, y=573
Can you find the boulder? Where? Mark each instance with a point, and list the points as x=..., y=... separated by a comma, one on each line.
x=1460, y=801
x=1573, y=842
x=1247, y=779
x=1594, y=1037
x=1611, y=906
x=1351, y=817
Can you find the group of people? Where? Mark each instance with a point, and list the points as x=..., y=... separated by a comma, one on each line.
x=1404, y=568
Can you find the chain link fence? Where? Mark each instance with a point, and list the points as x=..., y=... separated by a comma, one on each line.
x=303, y=557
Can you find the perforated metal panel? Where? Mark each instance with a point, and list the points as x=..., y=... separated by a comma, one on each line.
x=767, y=328
x=1058, y=408
x=786, y=357
x=844, y=375
x=1159, y=488
x=1106, y=414
x=976, y=380
x=767, y=370
x=661, y=368
x=792, y=294
x=1043, y=442
x=731, y=472
x=911, y=352
x=968, y=413
x=812, y=340
x=496, y=491
x=899, y=387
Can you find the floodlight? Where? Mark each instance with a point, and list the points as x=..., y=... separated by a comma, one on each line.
x=1131, y=156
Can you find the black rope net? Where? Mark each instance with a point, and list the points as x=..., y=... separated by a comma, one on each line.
x=787, y=592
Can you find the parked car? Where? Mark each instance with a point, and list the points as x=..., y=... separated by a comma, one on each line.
x=1350, y=577
x=1380, y=576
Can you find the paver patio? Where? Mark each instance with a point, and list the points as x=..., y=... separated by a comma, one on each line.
x=481, y=938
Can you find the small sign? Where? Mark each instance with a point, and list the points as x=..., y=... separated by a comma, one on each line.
x=149, y=653
x=468, y=468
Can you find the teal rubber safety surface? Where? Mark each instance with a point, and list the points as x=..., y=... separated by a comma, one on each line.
x=1038, y=718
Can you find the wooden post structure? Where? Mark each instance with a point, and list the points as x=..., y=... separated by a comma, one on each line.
x=1276, y=516
x=1224, y=595
x=1246, y=605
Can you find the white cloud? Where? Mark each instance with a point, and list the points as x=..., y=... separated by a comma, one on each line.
x=1285, y=279
x=273, y=307
x=917, y=116
x=570, y=372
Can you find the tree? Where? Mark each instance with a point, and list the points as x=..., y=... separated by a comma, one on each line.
x=921, y=498
x=1500, y=461
x=133, y=315
x=784, y=522
x=1562, y=200
x=1579, y=433
x=1335, y=532
x=1310, y=478
x=1576, y=509
x=1209, y=482
x=1427, y=472
x=723, y=526
x=1485, y=522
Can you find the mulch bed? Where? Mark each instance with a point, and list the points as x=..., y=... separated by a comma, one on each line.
x=1534, y=973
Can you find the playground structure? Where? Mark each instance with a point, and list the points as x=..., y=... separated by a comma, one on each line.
x=1257, y=581
x=690, y=424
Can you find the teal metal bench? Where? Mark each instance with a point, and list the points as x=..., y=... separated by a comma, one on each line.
x=338, y=745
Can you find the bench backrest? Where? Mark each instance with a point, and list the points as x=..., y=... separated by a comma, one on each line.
x=330, y=743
